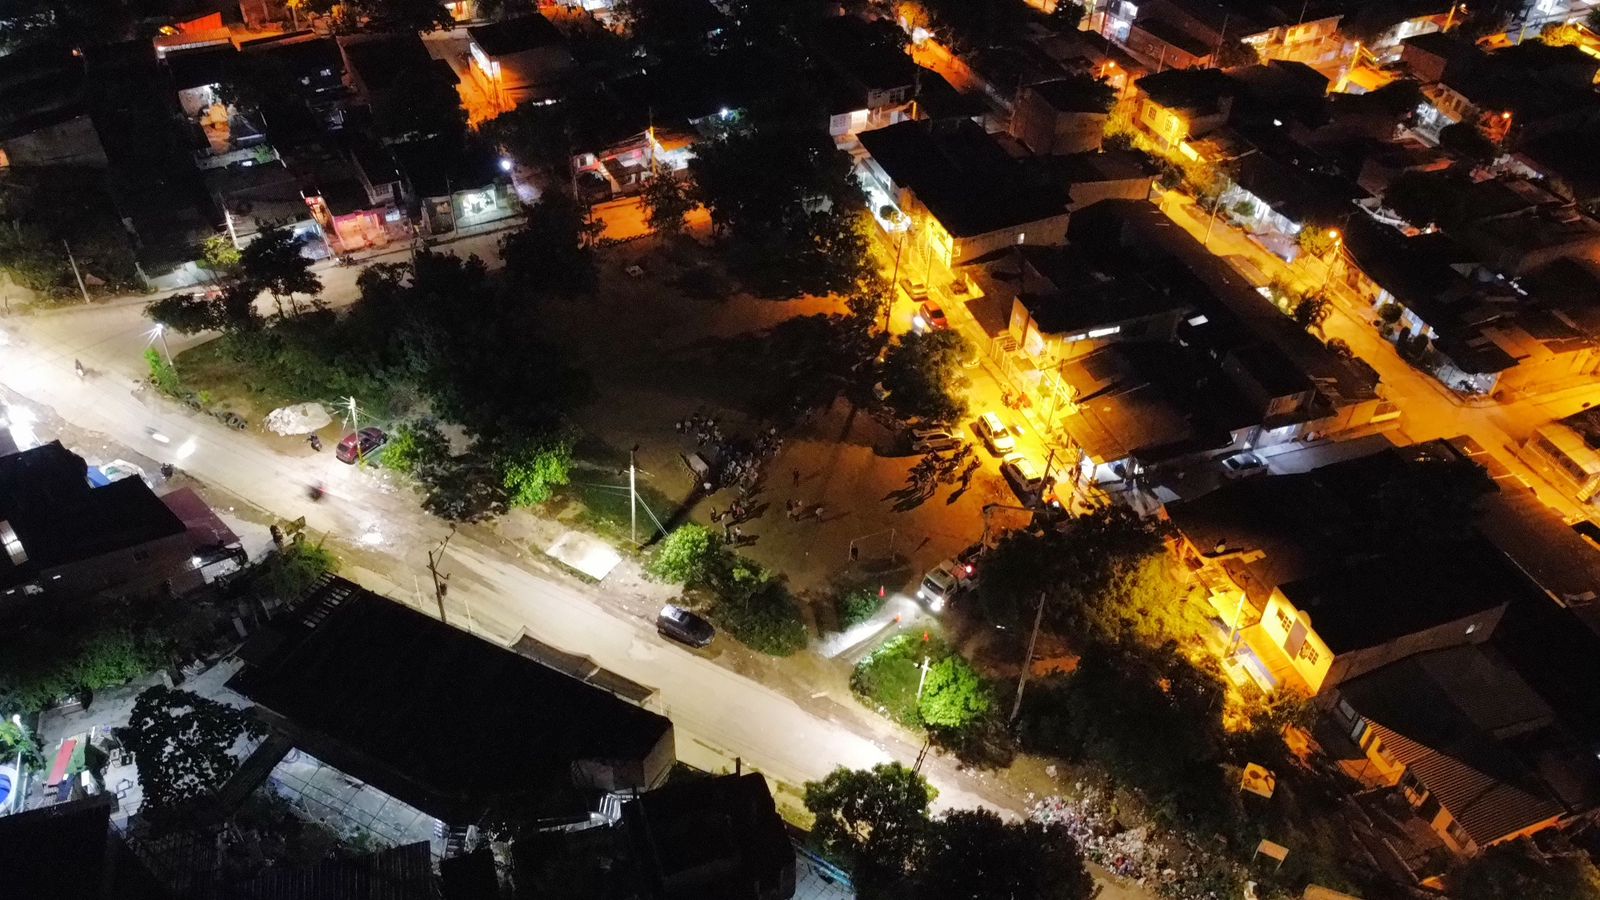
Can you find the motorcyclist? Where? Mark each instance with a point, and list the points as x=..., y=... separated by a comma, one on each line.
x=77, y=366
x=316, y=491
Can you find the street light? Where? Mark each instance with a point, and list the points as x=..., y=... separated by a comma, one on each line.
x=1338, y=239
x=159, y=333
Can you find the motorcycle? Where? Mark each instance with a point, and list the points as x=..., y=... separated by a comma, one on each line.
x=315, y=442
x=316, y=492
x=77, y=366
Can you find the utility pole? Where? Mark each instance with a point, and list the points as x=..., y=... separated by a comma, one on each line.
x=1027, y=661
x=633, y=495
x=440, y=584
x=75, y=273
x=922, y=679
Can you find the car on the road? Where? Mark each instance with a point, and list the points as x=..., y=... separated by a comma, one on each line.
x=933, y=441
x=1243, y=465
x=683, y=626
x=1589, y=531
x=360, y=444
x=939, y=585
x=996, y=435
x=930, y=317
x=915, y=288
x=1026, y=479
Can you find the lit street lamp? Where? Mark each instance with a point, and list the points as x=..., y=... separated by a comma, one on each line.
x=1338, y=241
x=159, y=333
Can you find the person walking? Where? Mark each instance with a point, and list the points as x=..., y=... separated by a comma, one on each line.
x=796, y=482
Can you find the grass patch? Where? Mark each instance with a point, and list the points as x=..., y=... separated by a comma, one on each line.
x=602, y=507
x=261, y=371
x=887, y=678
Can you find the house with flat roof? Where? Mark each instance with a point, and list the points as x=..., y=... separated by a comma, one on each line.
x=519, y=59
x=958, y=192
x=65, y=537
x=459, y=729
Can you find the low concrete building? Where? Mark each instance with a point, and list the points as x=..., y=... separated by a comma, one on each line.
x=1061, y=116
x=520, y=59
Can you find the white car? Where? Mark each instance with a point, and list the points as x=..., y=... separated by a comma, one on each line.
x=1026, y=479
x=1243, y=465
x=938, y=586
x=996, y=435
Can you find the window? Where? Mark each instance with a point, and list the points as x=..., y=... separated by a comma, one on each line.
x=13, y=544
x=1309, y=653
x=1284, y=621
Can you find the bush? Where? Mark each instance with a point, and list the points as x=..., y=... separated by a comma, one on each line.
x=856, y=607
x=757, y=610
x=953, y=696
x=414, y=445
x=690, y=555
x=292, y=571
x=531, y=474
x=887, y=678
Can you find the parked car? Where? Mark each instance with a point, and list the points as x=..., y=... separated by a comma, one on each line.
x=930, y=317
x=1589, y=531
x=1243, y=465
x=360, y=445
x=934, y=441
x=938, y=586
x=1026, y=479
x=915, y=288
x=996, y=435
x=683, y=626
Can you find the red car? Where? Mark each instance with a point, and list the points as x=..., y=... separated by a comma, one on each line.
x=360, y=445
x=930, y=317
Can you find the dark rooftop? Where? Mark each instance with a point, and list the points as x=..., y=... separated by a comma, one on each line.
x=1173, y=35
x=395, y=873
x=435, y=167
x=969, y=183
x=1478, y=738
x=865, y=50
x=938, y=99
x=1081, y=94
x=201, y=66
x=59, y=519
x=380, y=60
x=1368, y=600
x=442, y=720
x=1078, y=293
x=716, y=837
x=517, y=35
x=71, y=850
x=1197, y=90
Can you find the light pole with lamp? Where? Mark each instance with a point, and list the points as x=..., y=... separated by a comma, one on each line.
x=159, y=333
x=1333, y=254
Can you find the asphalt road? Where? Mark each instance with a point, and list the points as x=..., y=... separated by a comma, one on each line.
x=717, y=711
x=1429, y=410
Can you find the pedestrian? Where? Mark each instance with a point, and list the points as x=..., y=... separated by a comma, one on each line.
x=819, y=512
x=715, y=516
x=796, y=481
x=738, y=535
x=727, y=531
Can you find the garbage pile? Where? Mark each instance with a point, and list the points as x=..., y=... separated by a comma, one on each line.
x=1138, y=854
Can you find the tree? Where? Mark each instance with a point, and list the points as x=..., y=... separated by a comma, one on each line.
x=871, y=820
x=185, y=313
x=954, y=696
x=1148, y=717
x=788, y=206
x=162, y=374
x=414, y=446
x=220, y=255
x=1067, y=15
x=180, y=743
x=15, y=740
x=1105, y=577
x=1317, y=239
x=691, y=555
x=288, y=574
x=973, y=855
x=1235, y=54
x=273, y=262
x=403, y=15
x=922, y=372
x=553, y=251
x=667, y=26
x=531, y=474
x=1311, y=312
x=1465, y=140
x=1425, y=198
x=667, y=202
x=1520, y=869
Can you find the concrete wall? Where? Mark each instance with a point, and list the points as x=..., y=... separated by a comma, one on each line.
x=1044, y=130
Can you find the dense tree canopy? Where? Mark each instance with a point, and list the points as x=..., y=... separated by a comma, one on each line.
x=272, y=262
x=1521, y=869
x=973, y=855
x=872, y=820
x=922, y=372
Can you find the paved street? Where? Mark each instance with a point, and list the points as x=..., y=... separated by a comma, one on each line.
x=1429, y=410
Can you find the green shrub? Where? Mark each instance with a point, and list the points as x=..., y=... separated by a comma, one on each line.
x=857, y=606
x=757, y=609
x=691, y=555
